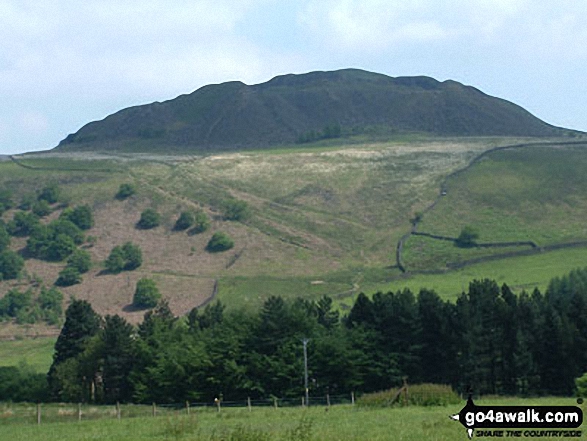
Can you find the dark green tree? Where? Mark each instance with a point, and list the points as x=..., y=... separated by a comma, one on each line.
x=118, y=351
x=81, y=324
x=133, y=256
x=41, y=208
x=235, y=210
x=116, y=260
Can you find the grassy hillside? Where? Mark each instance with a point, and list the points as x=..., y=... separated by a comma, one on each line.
x=300, y=108
x=323, y=220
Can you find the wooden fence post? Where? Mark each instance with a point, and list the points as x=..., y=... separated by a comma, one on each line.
x=154, y=409
x=79, y=411
x=328, y=400
x=353, y=398
x=217, y=401
x=38, y=413
x=187, y=407
x=275, y=402
x=249, y=403
x=118, y=414
x=303, y=402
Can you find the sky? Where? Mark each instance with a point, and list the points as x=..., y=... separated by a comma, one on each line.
x=64, y=63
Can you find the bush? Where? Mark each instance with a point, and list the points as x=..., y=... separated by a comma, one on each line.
x=127, y=257
x=201, y=223
x=147, y=294
x=418, y=394
x=115, y=261
x=80, y=260
x=186, y=219
x=55, y=241
x=581, y=384
x=11, y=264
x=21, y=384
x=26, y=202
x=468, y=237
x=81, y=216
x=4, y=238
x=68, y=276
x=42, y=208
x=23, y=224
x=50, y=302
x=219, y=242
x=50, y=194
x=6, y=202
x=125, y=191
x=149, y=219
x=235, y=210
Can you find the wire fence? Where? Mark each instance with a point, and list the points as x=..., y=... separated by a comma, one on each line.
x=45, y=413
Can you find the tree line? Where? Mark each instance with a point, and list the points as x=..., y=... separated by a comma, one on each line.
x=488, y=341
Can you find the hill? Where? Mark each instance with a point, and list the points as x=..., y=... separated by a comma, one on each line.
x=301, y=108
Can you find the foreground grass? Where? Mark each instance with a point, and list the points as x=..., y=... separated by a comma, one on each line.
x=36, y=353
x=342, y=422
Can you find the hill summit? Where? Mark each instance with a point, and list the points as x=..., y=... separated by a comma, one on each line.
x=301, y=108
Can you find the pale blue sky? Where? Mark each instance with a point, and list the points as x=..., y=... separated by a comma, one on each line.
x=64, y=63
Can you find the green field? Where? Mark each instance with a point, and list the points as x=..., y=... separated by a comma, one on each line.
x=37, y=353
x=342, y=422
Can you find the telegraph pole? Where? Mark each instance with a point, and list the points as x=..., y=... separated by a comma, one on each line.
x=305, y=342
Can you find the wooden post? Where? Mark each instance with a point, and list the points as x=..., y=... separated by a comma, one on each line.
x=217, y=401
x=118, y=415
x=79, y=411
x=275, y=402
x=249, y=404
x=328, y=400
x=353, y=398
x=38, y=413
x=303, y=404
x=187, y=407
x=154, y=409
x=406, y=398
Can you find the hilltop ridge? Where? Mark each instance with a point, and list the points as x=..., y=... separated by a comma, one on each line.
x=295, y=108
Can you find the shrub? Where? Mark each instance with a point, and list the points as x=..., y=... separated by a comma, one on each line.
x=27, y=201
x=201, y=222
x=81, y=216
x=235, y=210
x=149, y=219
x=418, y=394
x=42, y=208
x=125, y=191
x=219, y=242
x=68, y=276
x=4, y=238
x=50, y=194
x=50, y=302
x=147, y=294
x=127, y=257
x=6, y=202
x=11, y=264
x=115, y=261
x=55, y=241
x=468, y=237
x=581, y=384
x=23, y=224
x=133, y=256
x=80, y=260
x=186, y=219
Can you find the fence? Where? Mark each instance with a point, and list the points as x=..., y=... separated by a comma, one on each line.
x=43, y=413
